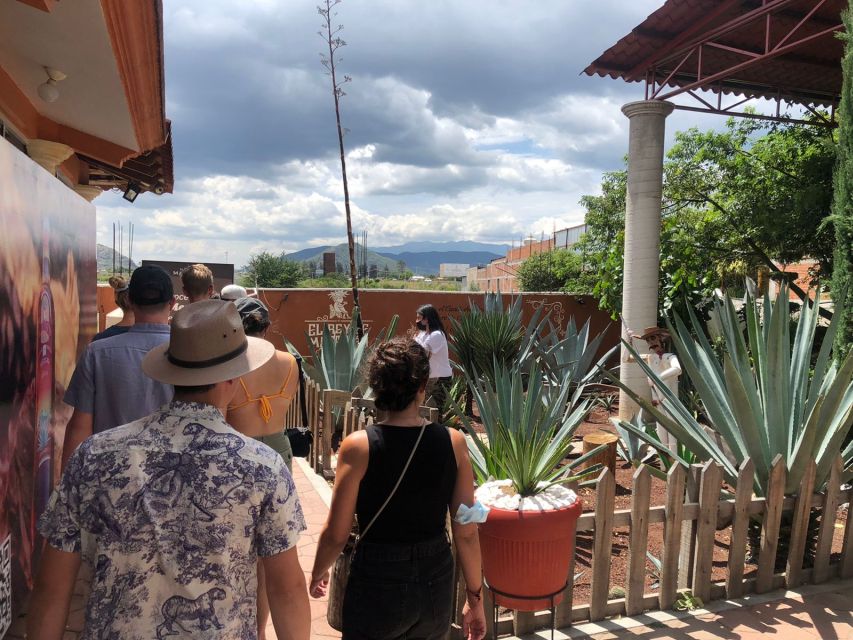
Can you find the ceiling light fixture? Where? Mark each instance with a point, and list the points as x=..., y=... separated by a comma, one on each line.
x=133, y=190
x=48, y=91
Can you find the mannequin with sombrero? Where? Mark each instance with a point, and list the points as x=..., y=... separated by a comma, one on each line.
x=665, y=364
x=178, y=507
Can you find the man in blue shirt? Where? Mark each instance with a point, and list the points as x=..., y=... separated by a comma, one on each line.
x=108, y=387
x=173, y=511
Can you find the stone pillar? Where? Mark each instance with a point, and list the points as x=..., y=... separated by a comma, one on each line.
x=642, y=235
x=88, y=191
x=48, y=154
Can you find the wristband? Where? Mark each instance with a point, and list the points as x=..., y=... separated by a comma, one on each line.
x=474, y=595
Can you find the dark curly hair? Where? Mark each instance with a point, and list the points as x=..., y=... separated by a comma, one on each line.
x=396, y=371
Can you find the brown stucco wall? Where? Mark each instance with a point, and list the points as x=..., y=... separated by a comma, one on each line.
x=295, y=312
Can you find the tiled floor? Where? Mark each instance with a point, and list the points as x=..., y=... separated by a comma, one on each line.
x=822, y=612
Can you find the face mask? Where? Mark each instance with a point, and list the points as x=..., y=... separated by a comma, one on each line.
x=421, y=325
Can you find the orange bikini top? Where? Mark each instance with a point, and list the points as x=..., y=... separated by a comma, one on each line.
x=263, y=401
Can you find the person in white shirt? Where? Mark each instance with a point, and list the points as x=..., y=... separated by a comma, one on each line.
x=667, y=368
x=431, y=337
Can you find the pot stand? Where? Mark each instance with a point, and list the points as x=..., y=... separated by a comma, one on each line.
x=551, y=597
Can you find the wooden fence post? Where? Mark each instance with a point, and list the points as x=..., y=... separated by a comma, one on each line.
x=602, y=545
x=672, y=536
x=770, y=525
x=709, y=501
x=688, y=529
x=740, y=526
x=800, y=527
x=639, y=541
x=827, y=523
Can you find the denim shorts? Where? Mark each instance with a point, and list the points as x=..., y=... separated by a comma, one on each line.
x=399, y=591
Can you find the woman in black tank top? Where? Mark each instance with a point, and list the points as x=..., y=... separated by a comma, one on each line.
x=401, y=578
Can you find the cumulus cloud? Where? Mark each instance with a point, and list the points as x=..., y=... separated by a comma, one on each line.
x=465, y=121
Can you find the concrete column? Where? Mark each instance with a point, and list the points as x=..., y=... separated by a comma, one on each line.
x=48, y=154
x=88, y=191
x=642, y=235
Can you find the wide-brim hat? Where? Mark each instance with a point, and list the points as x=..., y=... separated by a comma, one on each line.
x=207, y=345
x=648, y=332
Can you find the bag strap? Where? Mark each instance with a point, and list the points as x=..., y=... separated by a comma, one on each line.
x=303, y=409
x=394, y=490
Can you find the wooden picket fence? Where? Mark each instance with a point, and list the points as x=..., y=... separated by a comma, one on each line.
x=692, y=514
x=321, y=405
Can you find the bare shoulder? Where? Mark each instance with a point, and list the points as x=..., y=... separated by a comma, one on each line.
x=355, y=449
x=460, y=444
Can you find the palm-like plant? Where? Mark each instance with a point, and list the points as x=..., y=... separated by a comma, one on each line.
x=571, y=360
x=528, y=434
x=338, y=364
x=483, y=339
x=763, y=399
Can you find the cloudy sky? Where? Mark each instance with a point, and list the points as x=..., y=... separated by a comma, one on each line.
x=467, y=121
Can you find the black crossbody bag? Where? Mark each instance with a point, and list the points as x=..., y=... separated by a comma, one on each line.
x=301, y=438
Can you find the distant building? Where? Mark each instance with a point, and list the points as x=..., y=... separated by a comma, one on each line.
x=500, y=273
x=452, y=270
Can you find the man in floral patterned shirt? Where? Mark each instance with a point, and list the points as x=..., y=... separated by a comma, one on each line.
x=172, y=511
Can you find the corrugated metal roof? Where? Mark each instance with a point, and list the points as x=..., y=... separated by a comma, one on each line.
x=809, y=74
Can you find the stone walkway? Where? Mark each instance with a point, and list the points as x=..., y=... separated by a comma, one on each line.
x=822, y=612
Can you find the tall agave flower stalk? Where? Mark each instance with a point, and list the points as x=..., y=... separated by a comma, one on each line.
x=764, y=398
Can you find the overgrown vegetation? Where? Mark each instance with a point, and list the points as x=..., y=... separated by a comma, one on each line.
x=733, y=201
x=842, y=209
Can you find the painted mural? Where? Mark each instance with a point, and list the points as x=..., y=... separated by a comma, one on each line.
x=47, y=316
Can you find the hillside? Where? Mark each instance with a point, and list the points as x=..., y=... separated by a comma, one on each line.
x=428, y=262
x=427, y=246
x=420, y=257
x=105, y=259
x=315, y=254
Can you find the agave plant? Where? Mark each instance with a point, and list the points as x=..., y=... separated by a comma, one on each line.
x=571, y=360
x=483, y=339
x=528, y=433
x=338, y=364
x=763, y=399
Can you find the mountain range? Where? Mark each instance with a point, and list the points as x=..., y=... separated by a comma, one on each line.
x=422, y=257
x=105, y=260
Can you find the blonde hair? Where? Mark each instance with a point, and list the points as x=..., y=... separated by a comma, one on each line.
x=122, y=296
x=197, y=280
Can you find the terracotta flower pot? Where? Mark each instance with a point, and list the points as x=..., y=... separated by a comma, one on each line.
x=527, y=553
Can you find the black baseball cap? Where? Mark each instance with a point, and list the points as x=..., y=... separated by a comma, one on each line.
x=248, y=306
x=150, y=285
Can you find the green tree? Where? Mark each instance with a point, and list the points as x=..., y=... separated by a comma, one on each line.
x=267, y=270
x=842, y=209
x=732, y=200
x=559, y=270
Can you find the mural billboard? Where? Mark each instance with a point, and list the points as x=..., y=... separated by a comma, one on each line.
x=47, y=317
x=222, y=274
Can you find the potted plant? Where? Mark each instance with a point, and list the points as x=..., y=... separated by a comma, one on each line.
x=527, y=542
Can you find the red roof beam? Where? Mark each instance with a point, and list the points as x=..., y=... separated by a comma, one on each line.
x=800, y=24
x=727, y=27
x=720, y=75
x=689, y=33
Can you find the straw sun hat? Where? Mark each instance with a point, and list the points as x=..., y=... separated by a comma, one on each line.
x=648, y=332
x=207, y=345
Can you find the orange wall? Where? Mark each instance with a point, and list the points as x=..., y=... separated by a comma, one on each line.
x=295, y=312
